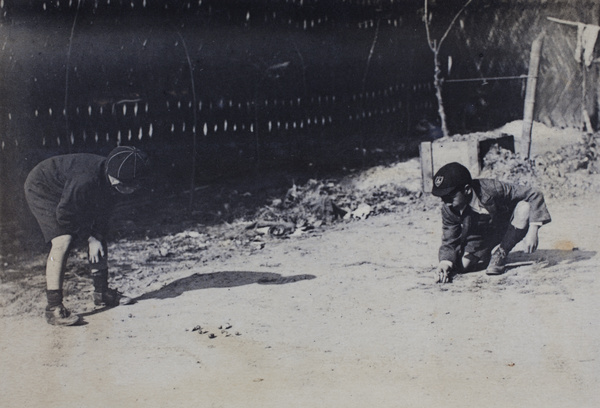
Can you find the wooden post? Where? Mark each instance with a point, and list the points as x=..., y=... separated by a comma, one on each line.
x=587, y=124
x=534, y=62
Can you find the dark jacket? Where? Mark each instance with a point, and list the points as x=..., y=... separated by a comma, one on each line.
x=500, y=200
x=70, y=194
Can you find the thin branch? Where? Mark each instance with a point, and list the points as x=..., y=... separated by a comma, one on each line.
x=425, y=18
x=194, y=148
x=370, y=55
x=452, y=22
x=484, y=79
x=303, y=67
x=67, y=72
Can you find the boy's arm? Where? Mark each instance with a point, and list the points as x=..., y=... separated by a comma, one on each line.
x=451, y=236
x=100, y=223
x=83, y=209
x=71, y=209
x=95, y=249
x=531, y=240
x=442, y=272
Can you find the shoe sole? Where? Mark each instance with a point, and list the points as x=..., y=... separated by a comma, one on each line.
x=494, y=273
x=122, y=302
x=113, y=301
x=69, y=321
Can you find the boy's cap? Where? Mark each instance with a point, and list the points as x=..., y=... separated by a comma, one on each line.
x=450, y=177
x=127, y=163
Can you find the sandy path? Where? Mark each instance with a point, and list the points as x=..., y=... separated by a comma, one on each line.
x=347, y=318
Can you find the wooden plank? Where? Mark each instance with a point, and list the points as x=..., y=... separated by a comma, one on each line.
x=469, y=153
x=426, y=166
x=463, y=152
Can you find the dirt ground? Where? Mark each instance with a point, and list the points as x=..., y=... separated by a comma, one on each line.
x=332, y=312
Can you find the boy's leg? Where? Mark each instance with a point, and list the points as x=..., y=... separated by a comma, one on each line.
x=516, y=231
x=103, y=295
x=56, y=313
x=57, y=260
x=477, y=248
x=99, y=271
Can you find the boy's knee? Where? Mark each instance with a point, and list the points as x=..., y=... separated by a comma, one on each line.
x=466, y=261
x=471, y=262
x=520, y=218
x=62, y=243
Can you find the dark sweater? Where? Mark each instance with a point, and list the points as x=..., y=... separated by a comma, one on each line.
x=70, y=194
x=500, y=200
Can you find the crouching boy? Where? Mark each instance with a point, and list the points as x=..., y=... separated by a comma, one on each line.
x=72, y=196
x=482, y=220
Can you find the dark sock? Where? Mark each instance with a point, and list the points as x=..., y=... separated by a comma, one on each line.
x=100, y=279
x=512, y=237
x=55, y=298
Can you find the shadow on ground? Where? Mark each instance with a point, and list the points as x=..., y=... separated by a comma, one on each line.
x=550, y=257
x=226, y=279
x=543, y=257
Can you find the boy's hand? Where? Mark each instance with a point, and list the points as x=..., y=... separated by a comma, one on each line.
x=442, y=272
x=95, y=250
x=531, y=239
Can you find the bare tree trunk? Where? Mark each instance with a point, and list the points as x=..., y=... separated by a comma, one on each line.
x=435, y=46
x=438, y=82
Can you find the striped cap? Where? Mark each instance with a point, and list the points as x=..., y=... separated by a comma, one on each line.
x=127, y=163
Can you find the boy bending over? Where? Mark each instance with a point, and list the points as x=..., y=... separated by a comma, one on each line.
x=72, y=196
x=482, y=220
